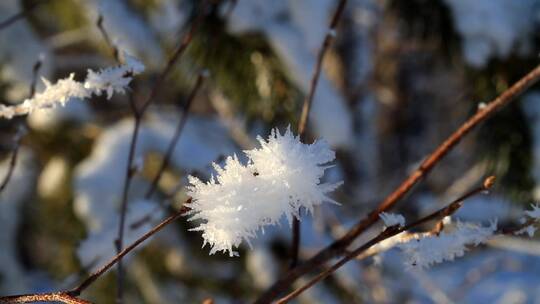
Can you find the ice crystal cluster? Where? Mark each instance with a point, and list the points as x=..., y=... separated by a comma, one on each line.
x=392, y=219
x=534, y=216
x=110, y=80
x=426, y=251
x=280, y=178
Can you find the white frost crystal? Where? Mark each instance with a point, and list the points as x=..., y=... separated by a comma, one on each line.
x=533, y=214
x=392, y=219
x=280, y=177
x=433, y=249
x=108, y=80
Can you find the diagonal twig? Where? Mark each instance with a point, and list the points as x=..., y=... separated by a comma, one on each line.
x=176, y=136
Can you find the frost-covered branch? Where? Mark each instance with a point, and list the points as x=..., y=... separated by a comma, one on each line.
x=339, y=246
x=110, y=80
x=390, y=232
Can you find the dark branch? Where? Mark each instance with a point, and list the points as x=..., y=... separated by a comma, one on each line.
x=176, y=136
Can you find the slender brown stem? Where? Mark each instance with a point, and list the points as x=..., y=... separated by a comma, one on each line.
x=176, y=136
x=388, y=233
x=339, y=246
x=304, y=116
x=13, y=159
x=330, y=35
x=176, y=55
x=62, y=297
x=18, y=16
x=22, y=129
x=107, y=38
x=88, y=281
x=119, y=242
x=35, y=72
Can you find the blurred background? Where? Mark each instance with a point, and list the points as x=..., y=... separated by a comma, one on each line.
x=400, y=77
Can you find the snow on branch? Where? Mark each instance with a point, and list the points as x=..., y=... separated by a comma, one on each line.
x=280, y=178
x=392, y=219
x=532, y=218
x=426, y=251
x=110, y=80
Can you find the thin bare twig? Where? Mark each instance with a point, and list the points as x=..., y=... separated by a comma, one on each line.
x=21, y=129
x=130, y=172
x=88, y=281
x=13, y=159
x=388, y=233
x=339, y=246
x=176, y=136
x=18, y=16
x=35, y=72
x=176, y=55
x=138, y=114
x=107, y=38
x=304, y=116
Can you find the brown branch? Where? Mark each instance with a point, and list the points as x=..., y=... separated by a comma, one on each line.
x=176, y=136
x=304, y=116
x=119, y=242
x=115, y=52
x=388, y=233
x=88, y=281
x=35, y=72
x=62, y=297
x=21, y=128
x=13, y=159
x=18, y=16
x=339, y=246
x=176, y=55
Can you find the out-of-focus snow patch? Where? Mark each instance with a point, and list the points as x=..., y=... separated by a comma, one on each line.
x=485, y=208
x=99, y=178
x=53, y=177
x=365, y=15
x=11, y=199
x=262, y=267
x=20, y=49
x=127, y=30
x=99, y=247
x=168, y=17
x=296, y=29
x=493, y=28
